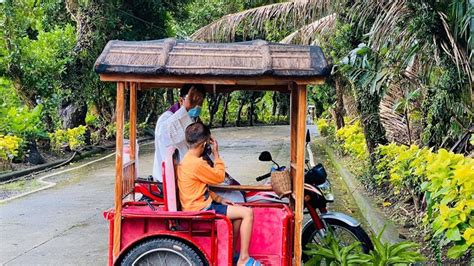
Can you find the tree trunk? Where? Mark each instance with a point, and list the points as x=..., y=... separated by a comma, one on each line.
x=408, y=125
x=224, y=112
x=72, y=114
x=250, y=113
x=73, y=108
x=239, y=113
x=339, y=110
x=374, y=132
x=212, y=106
x=274, y=103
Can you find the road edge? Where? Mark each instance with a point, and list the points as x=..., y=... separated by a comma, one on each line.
x=372, y=214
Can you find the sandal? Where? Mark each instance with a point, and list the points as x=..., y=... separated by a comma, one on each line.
x=252, y=262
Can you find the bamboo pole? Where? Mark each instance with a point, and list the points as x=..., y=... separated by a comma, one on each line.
x=118, y=168
x=133, y=132
x=298, y=131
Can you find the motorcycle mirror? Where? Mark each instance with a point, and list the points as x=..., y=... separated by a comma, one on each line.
x=265, y=156
x=308, y=136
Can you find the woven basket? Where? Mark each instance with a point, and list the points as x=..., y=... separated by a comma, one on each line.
x=281, y=183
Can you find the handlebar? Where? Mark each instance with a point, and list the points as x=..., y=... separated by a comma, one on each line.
x=260, y=178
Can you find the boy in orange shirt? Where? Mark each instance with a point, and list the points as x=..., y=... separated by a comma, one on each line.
x=194, y=176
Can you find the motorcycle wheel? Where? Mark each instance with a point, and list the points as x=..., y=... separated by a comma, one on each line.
x=344, y=232
x=162, y=251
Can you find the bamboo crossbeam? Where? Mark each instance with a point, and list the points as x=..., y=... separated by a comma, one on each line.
x=242, y=187
x=213, y=67
x=216, y=54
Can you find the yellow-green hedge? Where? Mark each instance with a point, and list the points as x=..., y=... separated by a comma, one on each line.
x=352, y=139
x=73, y=138
x=448, y=181
x=9, y=147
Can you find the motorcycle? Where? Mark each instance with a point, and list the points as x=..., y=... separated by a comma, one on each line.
x=317, y=195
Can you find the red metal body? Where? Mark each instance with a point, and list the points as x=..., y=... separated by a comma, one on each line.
x=208, y=233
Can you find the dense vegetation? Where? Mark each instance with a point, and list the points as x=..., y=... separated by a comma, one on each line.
x=49, y=95
x=401, y=72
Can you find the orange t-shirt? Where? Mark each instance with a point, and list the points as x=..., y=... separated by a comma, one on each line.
x=194, y=176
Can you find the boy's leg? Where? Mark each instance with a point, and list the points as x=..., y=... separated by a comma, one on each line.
x=246, y=214
x=236, y=230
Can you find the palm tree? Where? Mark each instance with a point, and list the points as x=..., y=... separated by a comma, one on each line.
x=409, y=41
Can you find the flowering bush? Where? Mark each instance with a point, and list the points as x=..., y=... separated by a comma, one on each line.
x=9, y=147
x=353, y=140
x=324, y=128
x=73, y=138
x=448, y=180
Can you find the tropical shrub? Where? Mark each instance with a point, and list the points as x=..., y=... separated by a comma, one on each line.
x=402, y=253
x=16, y=118
x=448, y=180
x=325, y=128
x=353, y=140
x=404, y=166
x=449, y=188
x=9, y=147
x=73, y=138
x=332, y=253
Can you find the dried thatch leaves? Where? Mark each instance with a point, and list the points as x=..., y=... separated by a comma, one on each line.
x=297, y=13
x=306, y=34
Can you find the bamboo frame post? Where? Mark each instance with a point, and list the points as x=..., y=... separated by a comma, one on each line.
x=119, y=113
x=133, y=131
x=298, y=131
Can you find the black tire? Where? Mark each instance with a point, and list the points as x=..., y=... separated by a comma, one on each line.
x=310, y=233
x=163, y=251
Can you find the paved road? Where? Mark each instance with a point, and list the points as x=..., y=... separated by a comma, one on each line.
x=64, y=225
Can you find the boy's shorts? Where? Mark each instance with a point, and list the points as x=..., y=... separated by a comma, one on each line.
x=219, y=208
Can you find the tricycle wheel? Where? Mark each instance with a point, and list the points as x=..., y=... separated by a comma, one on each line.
x=162, y=251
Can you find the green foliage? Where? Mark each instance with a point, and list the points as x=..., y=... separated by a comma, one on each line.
x=352, y=139
x=447, y=110
x=448, y=180
x=73, y=138
x=403, y=253
x=330, y=252
x=9, y=147
x=325, y=128
x=450, y=196
x=202, y=12
x=323, y=97
x=404, y=166
x=16, y=118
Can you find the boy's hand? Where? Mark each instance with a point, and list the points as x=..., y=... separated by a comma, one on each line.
x=214, y=147
x=227, y=202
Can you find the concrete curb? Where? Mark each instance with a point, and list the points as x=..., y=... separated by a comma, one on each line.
x=372, y=214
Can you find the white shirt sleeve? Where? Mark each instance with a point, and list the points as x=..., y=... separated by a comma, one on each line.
x=171, y=128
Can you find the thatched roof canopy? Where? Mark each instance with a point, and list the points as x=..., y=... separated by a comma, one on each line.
x=255, y=60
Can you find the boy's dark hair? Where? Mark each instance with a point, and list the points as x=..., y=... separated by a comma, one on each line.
x=186, y=87
x=197, y=133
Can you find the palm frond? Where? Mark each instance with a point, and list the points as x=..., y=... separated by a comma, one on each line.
x=294, y=14
x=393, y=122
x=454, y=51
x=305, y=34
